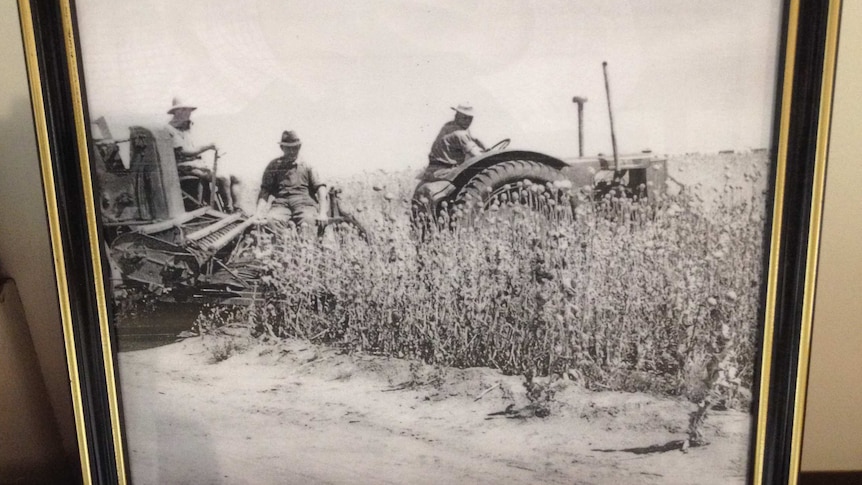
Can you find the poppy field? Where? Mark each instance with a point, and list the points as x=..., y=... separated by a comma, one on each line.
x=614, y=295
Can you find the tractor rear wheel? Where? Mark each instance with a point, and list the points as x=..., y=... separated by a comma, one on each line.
x=516, y=185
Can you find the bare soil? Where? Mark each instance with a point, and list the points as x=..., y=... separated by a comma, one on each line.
x=228, y=409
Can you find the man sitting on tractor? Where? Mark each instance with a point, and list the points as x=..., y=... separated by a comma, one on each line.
x=453, y=144
x=188, y=156
x=290, y=190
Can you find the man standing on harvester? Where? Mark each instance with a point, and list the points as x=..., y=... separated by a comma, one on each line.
x=290, y=191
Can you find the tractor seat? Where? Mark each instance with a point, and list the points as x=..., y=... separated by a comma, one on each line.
x=190, y=184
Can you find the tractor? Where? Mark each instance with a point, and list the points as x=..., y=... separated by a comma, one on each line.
x=500, y=173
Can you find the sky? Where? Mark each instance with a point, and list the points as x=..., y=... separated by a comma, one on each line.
x=368, y=84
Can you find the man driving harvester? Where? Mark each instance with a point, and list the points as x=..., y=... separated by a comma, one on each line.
x=188, y=156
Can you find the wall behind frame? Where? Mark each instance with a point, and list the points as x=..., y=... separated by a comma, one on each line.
x=833, y=422
x=25, y=252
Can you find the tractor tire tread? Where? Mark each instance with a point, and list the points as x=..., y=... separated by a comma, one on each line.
x=506, y=172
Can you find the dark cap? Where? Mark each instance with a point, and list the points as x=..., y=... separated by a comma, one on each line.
x=289, y=139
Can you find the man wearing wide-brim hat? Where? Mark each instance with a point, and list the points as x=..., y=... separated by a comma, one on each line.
x=188, y=155
x=179, y=128
x=290, y=191
x=455, y=143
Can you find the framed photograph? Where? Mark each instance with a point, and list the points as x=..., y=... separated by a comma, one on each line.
x=400, y=241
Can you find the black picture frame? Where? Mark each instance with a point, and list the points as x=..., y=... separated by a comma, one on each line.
x=801, y=134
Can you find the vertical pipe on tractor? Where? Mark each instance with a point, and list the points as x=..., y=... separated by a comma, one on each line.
x=611, y=115
x=580, y=102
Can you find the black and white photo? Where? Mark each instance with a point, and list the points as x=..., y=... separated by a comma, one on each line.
x=404, y=241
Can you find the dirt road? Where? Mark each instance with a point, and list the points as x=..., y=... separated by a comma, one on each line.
x=295, y=413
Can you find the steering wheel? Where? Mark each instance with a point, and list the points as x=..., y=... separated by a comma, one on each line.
x=500, y=145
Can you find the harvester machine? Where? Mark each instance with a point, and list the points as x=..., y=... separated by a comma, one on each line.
x=166, y=234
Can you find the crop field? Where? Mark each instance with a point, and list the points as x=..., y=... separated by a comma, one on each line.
x=612, y=343
x=616, y=295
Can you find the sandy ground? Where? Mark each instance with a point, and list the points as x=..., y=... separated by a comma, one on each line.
x=294, y=413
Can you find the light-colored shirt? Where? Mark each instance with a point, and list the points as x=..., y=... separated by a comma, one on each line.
x=184, y=143
x=181, y=139
x=452, y=146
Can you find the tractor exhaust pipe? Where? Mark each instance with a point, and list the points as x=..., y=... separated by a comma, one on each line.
x=580, y=102
x=611, y=115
